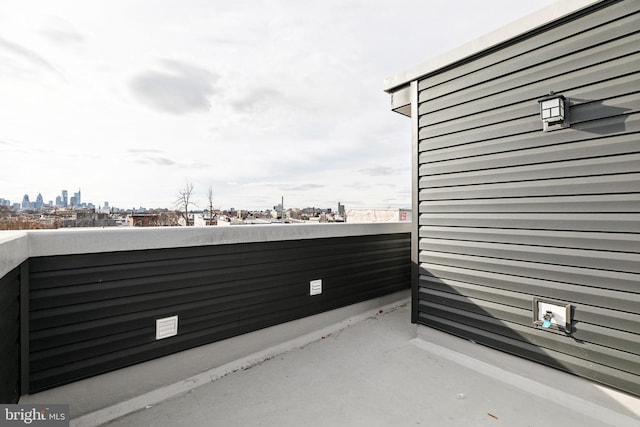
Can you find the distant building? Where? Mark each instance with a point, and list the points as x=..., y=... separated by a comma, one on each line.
x=378, y=215
x=277, y=211
x=26, y=204
x=144, y=220
x=39, y=202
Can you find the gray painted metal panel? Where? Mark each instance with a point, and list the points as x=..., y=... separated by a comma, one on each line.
x=603, y=260
x=592, y=150
x=600, y=241
x=603, y=279
x=519, y=295
x=573, y=285
x=618, y=363
x=415, y=202
x=622, y=65
x=530, y=123
x=622, y=164
x=602, y=14
x=591, y=222
x=592, y=307
x=509, y=213
x=515, y=344
x=588, y=131
x=91, y=313
x=526, y=69
x=601, y=184
x=480, y=313
x=616, y=87
x=593, y=110
x=609, y=203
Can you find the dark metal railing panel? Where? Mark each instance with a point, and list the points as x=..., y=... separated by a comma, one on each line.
x=92, y=313
x=10, y=336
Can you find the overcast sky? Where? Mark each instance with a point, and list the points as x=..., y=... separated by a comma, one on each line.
x=129, y=99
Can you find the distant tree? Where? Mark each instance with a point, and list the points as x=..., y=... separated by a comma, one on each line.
x=5, y=212
x=210, y=198
x=21, y=223
x=184, y=201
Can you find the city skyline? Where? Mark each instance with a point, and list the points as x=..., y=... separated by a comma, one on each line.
x=257, y=100
x=62, y=200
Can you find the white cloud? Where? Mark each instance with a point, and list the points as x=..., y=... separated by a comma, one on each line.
x=280, y=97
x=23, y=59
x=178, y=89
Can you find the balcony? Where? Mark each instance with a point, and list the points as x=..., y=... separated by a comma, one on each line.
x=253, y=346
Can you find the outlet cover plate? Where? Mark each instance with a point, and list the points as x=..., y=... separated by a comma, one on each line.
x=561, y=319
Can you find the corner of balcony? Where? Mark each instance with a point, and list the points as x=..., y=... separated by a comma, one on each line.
x=255, y=342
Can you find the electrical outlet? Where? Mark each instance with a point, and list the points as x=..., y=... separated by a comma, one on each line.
x=550, y=314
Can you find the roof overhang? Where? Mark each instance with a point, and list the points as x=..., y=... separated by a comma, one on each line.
x=401, y=101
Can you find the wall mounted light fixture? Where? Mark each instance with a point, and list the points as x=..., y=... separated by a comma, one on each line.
x=554, y=110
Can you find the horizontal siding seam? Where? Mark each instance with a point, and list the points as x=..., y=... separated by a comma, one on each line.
x=538, y=64
x=485, y=54
x=528, y=84
x=443, y=253
x=541, y=246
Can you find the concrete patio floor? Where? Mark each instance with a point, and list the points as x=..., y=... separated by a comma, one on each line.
x=376, y=372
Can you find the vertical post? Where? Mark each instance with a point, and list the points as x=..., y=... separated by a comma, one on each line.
x=282, y=207
x=24, y=328
x=415, y=202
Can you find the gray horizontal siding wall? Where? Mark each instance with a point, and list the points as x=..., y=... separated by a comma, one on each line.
x=508, y=212
x=10, y=337
x=92, y=313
